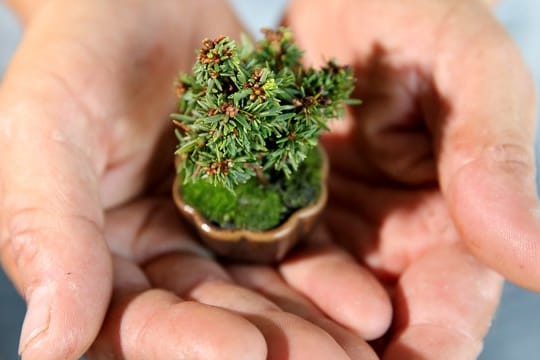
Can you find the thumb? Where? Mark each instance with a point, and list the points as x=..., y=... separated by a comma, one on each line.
x=51, y=221
x=485, y=143
x=494, y=204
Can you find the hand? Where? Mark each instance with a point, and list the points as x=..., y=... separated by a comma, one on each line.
x=437, y=164
x=83, y=107
x=83, y=111
x=171, y=299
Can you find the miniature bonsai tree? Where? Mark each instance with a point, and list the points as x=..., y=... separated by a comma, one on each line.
x=248, y=122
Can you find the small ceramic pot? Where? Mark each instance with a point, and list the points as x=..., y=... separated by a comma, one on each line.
x=256, y=246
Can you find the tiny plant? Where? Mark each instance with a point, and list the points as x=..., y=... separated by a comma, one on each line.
x=248, y=122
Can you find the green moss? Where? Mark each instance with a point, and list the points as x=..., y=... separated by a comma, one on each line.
x=254, y=206
x=258, y=207
x=215, y=202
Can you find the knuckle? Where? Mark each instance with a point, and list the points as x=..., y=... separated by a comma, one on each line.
x=513, y=157
x=20, y=239
x=28, y=233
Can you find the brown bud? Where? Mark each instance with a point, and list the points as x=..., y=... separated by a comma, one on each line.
x=208, y=44
x=180, y=89
x=309, y=100
x=257, y=74
x=296, y=102
x=292, y=135
x=325, y=101
x=224, y=167
x=272, y=36
x=231, y=111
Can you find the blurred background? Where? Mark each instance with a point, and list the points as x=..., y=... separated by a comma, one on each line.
x=515, y=333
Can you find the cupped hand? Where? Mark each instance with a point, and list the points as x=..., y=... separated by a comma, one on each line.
x=435, y=166
x=83, y=124
x=172, y=300
x=83, y=109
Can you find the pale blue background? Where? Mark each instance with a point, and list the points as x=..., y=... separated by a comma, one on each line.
x=515, y=333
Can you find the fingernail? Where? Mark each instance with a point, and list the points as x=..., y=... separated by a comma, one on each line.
x=37, y=317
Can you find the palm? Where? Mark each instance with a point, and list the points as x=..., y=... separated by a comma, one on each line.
x=125, y=92
x=406, y=237
x=124, y=87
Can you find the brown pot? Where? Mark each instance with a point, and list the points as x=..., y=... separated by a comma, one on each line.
x=256, y=246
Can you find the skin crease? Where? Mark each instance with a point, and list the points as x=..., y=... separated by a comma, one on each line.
x=86, y=120
x=424, y=178
x=89, y=228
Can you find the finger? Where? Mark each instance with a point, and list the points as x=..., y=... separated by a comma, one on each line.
x=51, y=229
x=341, y=288
x=51, y=221
x=156, y=324
x=444, y=305
x=129, y=279
x=286, y=335
x=179, y=269
x=486, y=145
x=149, y=228
x=267, y=282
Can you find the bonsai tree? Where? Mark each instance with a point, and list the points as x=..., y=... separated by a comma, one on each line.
x=248, y=122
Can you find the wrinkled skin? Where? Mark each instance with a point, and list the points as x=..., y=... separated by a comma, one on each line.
x=435, y=166
x=87, y=223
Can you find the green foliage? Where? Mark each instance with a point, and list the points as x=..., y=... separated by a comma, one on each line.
x=253, y=111
x=303, y=188
x=252, y=205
